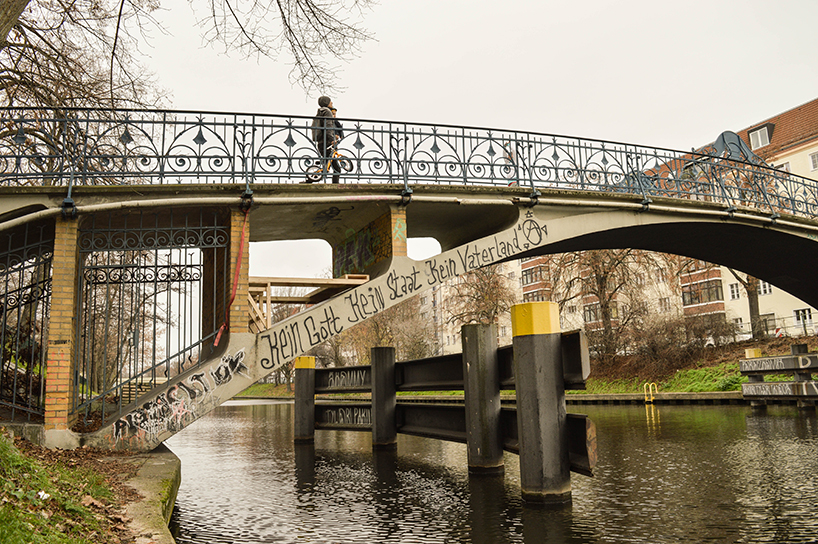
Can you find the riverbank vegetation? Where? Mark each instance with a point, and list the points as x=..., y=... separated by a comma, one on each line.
x=55, y=497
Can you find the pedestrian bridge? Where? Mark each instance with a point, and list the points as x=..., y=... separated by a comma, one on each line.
x=124, y=241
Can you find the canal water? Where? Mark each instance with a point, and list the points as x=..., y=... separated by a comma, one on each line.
x=665, y=474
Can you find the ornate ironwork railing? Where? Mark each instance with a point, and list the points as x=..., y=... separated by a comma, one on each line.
x=88, y=147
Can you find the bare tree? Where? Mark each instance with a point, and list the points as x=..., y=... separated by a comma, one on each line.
x=750, y=285
x=10, y=11
x=480, y=296
x=61, y=53
x=611, y=286
x=400, y=326
x=308, y=31
x=77, y=54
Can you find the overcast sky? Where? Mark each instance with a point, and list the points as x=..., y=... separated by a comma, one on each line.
x=653, y=72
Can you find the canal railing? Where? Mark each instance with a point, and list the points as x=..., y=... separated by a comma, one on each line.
x=539, y=366
x=799, y=364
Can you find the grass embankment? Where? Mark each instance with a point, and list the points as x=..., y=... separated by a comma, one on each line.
x=45, y=502
x=721, y=377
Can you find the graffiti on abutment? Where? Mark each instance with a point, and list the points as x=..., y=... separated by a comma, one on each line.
x=289, y=339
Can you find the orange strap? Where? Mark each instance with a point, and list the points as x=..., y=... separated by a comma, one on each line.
x=226, y=324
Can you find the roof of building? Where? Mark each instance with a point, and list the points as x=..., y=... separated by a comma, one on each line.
x=786, y=130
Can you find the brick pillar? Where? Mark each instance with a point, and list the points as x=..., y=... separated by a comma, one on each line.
x=62, y=327
x=240, y=309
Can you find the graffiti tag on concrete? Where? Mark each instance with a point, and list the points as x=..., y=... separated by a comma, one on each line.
x=174, y=409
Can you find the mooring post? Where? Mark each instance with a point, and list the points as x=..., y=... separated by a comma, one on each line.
x=541, y=417
x=384, y=431
x=304, y=416
x=481, y=375
x=802, y=349
x=758, y=405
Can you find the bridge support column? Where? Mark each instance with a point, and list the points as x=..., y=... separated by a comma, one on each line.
x=370, y=250
x=304, y=410
x=384, y=431
x=239, y=256
x=62, y=380
x=541, y=416
x=482, y=398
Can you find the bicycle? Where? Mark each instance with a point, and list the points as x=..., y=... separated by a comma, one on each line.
x=317, y=172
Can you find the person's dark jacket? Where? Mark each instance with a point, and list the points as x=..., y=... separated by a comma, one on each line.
x=323, y=137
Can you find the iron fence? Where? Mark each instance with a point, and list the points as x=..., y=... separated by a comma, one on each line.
x=25, y=298
x=152, y=296
x=89, y=147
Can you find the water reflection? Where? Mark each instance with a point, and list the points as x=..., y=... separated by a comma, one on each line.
x=665, y=474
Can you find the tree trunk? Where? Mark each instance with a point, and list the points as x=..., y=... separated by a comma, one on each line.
x=758, y=327
x=10, y=11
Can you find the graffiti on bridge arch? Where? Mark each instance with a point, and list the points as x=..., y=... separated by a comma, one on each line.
x=174, y=409
x=289, y=339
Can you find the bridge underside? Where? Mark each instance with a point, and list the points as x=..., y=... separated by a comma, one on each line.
x=475, y=227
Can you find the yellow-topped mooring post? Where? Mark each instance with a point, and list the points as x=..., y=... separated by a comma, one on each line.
x=541, y=416
x=755, y=353
x=304, y=410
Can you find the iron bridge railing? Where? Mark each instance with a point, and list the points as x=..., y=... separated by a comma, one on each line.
x=93, y=147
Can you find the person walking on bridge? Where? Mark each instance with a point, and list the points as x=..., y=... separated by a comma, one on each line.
x=339, y=128
x=325, y=136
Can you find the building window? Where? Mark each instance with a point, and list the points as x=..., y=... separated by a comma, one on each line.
x=803, y=316
x=591, y=313
x=735, y=291
x=660, y=275
x=785, y=167
x=664, y=304
x=738, y=323
x=764, y=288
x=701, y=293
x=759, y=138
x=572, y=309
x=813, y=160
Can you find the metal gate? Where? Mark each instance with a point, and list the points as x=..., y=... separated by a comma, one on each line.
x=152, y=292
x=25, y=300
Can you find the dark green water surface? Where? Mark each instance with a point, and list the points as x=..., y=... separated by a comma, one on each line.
x=665, y=474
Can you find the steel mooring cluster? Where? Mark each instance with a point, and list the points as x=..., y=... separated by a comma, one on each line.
x=540, y=365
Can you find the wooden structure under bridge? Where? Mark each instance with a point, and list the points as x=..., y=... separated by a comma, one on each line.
x=261, y=296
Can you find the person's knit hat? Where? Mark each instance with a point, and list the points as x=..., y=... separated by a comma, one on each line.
x=324, y=101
